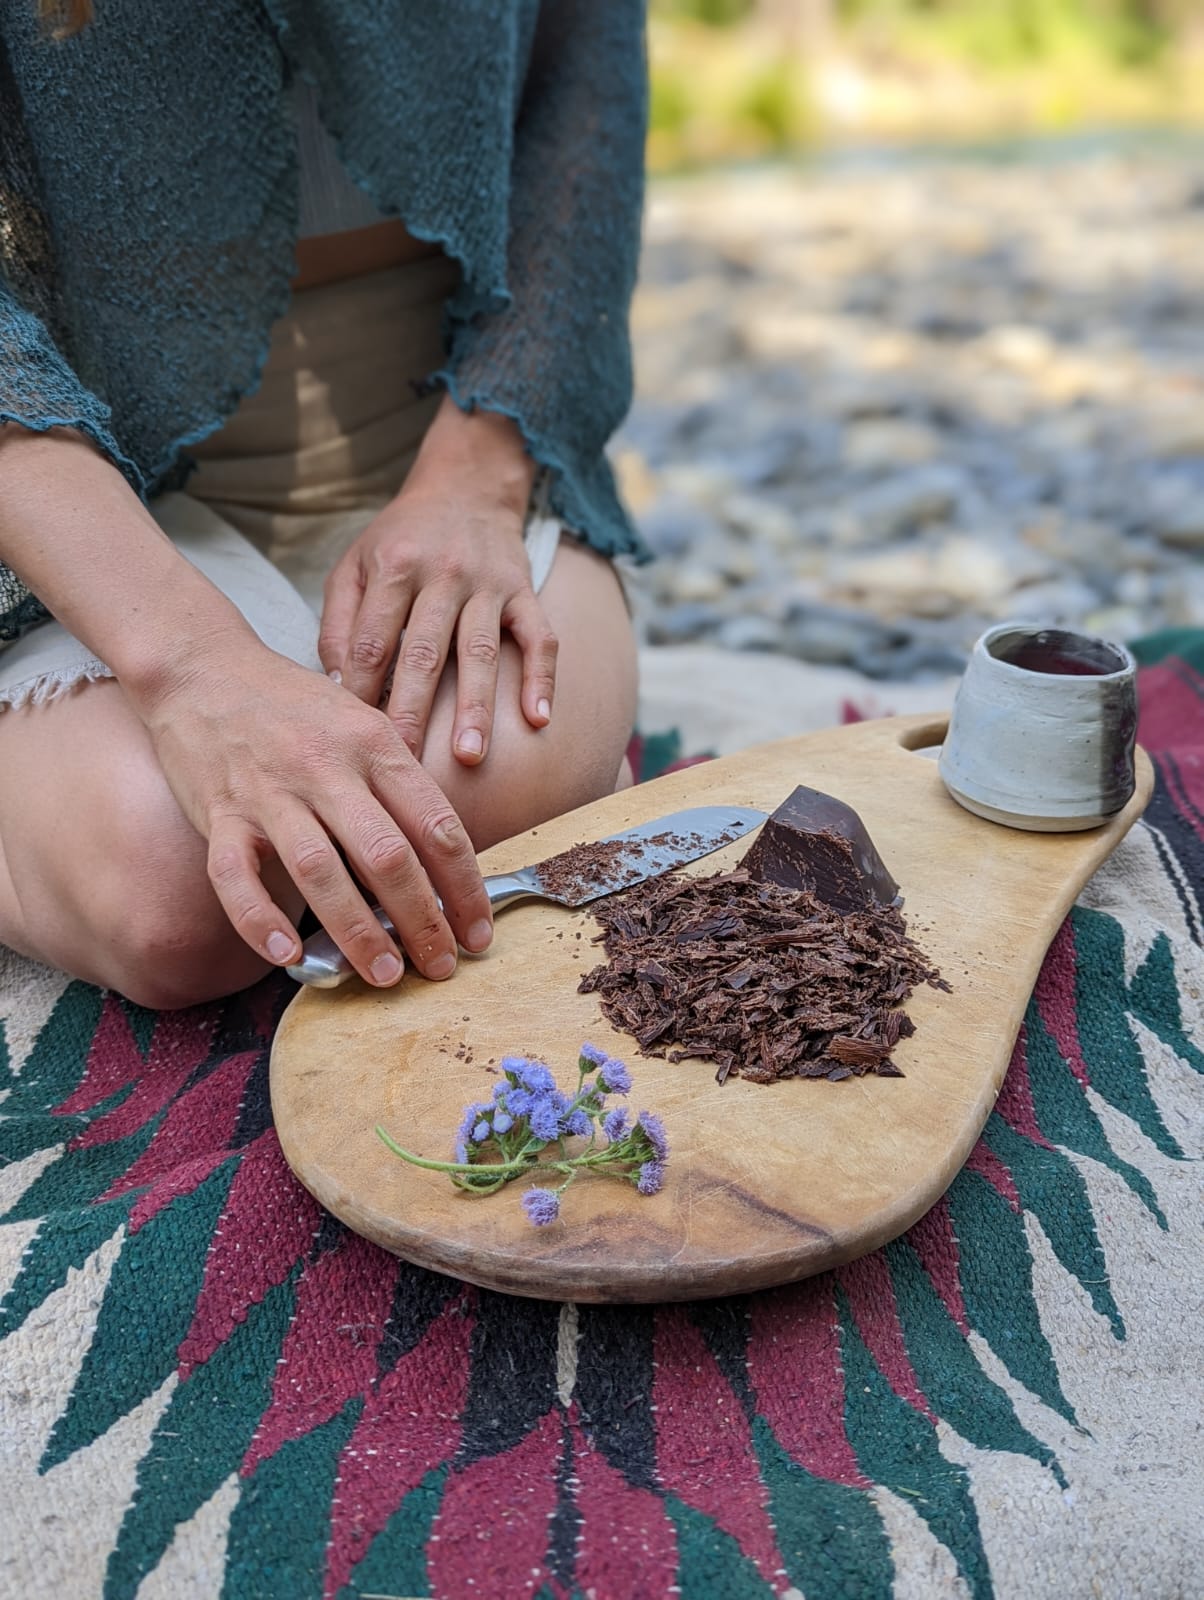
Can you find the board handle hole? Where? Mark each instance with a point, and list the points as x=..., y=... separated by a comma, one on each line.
x=926, y=738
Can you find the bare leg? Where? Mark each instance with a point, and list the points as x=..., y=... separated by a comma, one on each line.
x=101, y=875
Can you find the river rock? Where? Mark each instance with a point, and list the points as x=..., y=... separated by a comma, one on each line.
x=674, y=524
x=1113, y=622
x=829, y=636
x=1025, y=348
x=1184, y=601
x=1061, y=600
x=878, y=444
x=768, y=525
x=749, y=633
x=693, y=582
x=1180, y=521
x=907, y=501
x=683, y=623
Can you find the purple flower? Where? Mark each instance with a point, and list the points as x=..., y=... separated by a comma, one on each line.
x=595, y=1057
x=508, y=1105
x=614, y=1124
x=614, y=1078
x=518, y=1102
x=469, y=1123
x=577, y=1122
x=481, y=1132
x=545, y=1115
x=651, y=1176
x=542, y=1206
x=461, y=1152
x=532, y=1075
x=654, y=1130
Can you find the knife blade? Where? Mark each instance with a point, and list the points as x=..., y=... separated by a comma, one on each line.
x=574, y=877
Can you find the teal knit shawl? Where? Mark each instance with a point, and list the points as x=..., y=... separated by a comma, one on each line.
x=148, y=214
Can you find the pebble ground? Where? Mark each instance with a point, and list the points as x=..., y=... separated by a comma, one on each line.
x=881, y=407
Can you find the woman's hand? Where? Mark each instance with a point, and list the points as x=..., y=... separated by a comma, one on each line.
x=445, y=559
x=268, y=760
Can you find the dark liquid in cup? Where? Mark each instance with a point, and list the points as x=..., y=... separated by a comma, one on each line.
x=1036, y=656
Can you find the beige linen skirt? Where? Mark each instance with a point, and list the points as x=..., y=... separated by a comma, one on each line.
x=298, y=472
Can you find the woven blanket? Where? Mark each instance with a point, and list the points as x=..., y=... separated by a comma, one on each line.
x=209, y=1388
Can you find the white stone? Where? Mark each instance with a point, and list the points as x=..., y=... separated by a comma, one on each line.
x=691, y=582
x=975, y=572
x=877, y=443
x=1182, y=524
x=1025, y=348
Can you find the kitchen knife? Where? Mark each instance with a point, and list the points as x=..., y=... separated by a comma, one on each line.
x=573, y=878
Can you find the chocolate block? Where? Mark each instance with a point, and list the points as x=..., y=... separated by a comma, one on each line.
x=814, y=841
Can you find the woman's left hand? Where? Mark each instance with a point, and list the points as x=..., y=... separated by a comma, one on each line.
x=445, y=559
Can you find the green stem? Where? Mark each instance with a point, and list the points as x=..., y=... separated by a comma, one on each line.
x=604, y=1157
x=492, y=1167
x=478, y=1188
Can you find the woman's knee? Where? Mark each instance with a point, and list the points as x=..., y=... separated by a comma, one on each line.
x=165, y=939
x=521, y=785
x=165, y=956
x=136, y=913
x=532, y=774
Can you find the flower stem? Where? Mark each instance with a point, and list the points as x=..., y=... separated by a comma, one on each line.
x=489, y=1168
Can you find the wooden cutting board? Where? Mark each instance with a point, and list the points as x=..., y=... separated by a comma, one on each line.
x=765, y=1184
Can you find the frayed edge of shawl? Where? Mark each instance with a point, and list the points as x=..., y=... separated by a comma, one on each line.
x=49, y=686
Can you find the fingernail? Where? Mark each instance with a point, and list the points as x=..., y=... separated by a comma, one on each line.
x=335, y=675
x=470, y=742
x=442, y=967
x=479, y=936
x=544, y=709
x=279, y=946
x=386, y=968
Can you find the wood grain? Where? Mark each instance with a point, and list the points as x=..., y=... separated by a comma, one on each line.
x=766, y=1184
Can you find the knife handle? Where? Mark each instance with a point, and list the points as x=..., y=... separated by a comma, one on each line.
x=324, y=966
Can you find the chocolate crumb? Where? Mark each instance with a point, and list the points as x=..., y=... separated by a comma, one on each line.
x=576, y=874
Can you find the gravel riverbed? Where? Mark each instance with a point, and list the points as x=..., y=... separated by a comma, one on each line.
x=882, y=407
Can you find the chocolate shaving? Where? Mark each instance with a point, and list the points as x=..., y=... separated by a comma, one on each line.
x=586, y=870
x=766, y=981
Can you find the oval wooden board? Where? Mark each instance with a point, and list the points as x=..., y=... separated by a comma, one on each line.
x=765, y=1184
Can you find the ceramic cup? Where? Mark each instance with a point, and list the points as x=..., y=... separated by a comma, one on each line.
x=1042, y=730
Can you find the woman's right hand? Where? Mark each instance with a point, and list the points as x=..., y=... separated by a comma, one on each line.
x=270, y=760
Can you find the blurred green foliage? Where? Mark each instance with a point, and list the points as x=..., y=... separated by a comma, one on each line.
x=743, y=77
x=714, y=12
x=997, y=31
x=1003, y=33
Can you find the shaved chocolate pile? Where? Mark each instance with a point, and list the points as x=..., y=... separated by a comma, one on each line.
x=766, y=981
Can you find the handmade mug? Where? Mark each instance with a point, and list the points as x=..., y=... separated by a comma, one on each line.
x=1043, y=729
